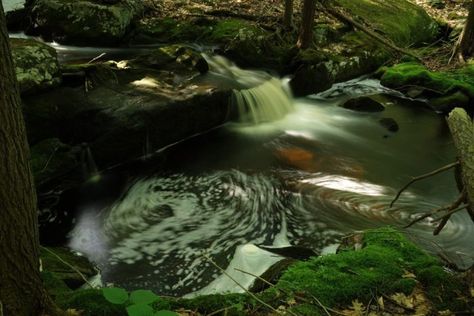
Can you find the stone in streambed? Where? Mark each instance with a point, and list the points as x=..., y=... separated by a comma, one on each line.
x=363, y=104
x=390, y=124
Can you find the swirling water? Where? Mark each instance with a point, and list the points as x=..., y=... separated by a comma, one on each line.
x=306, y=179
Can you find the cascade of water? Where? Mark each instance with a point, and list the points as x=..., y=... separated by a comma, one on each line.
x=257, y=96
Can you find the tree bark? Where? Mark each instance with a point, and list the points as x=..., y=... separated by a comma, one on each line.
x=21, y=289
x=306, y=32
x=466, y=43
x=462, y=130
x=288, y=16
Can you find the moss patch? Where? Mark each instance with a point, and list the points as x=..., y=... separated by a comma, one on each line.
x=397, y=19
x=446, y=90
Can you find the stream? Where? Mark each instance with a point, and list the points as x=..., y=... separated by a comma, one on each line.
x=300, y=172
x=306, y=179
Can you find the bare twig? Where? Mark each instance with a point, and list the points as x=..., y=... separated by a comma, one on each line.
x=96, y=58
x=424, y=176
x=448, y=208
x=68, y=265
x=444, y=219
x=243, y=287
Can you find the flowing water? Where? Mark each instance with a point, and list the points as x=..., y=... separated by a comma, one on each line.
x=288, y=172
x=307, y=174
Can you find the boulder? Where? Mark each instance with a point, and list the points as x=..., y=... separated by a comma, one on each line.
x=85, y=22
x=363, y=104
x=36, y=65
x=128, y=109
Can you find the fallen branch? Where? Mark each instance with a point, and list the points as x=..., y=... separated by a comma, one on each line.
x=424, y=176
x=445, y=218
x=347, y=19
x=447, y=208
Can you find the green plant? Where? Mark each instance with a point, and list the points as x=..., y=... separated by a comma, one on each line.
x=138, y=302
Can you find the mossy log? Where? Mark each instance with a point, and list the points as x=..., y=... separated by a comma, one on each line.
x=462, y=130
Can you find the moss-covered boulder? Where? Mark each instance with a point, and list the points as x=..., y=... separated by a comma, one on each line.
x=85, y=21
x=444, y=90
x=402, y=21
x=36, y=65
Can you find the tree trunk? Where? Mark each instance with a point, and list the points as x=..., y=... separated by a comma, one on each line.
x=466, y=44
x=306, y=32
x=21, y=289
x=288, y=17
x=462, y=130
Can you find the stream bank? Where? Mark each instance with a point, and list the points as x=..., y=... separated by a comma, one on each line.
x=105, y=113
x=377, y=271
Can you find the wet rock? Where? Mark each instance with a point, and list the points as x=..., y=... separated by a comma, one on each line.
x=51, y=158
x=36, y=65
x=169, y=57
x=363, y=104
x=128, y=109
x=310, y=79
x=446, y=103
x=85, y=22
x=389, y=123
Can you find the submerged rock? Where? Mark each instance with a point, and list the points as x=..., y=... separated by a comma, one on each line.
x=389, y=123
x=85, y=22
x=36, y=65
x=363, y=104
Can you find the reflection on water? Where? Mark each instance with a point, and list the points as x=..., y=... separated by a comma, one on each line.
x=307, y=179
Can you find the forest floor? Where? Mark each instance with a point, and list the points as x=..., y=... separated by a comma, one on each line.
x=268, y=14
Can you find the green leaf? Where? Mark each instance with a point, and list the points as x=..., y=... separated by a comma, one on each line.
x=143, y=297
x=115, y=295
x=165, y=313
x=140, y=310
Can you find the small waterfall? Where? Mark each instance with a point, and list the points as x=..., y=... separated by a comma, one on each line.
x=257, y=96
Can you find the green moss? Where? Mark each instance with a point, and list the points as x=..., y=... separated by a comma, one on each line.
x=397, y=19
x=91, y=303
x=411, y=73
x=54, y=285
x=378, y=268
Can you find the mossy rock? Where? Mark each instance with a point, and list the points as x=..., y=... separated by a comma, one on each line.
x=402, y=21
x=379, y=267
x=85, y=22
x=36, y=65
x=445, y=90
